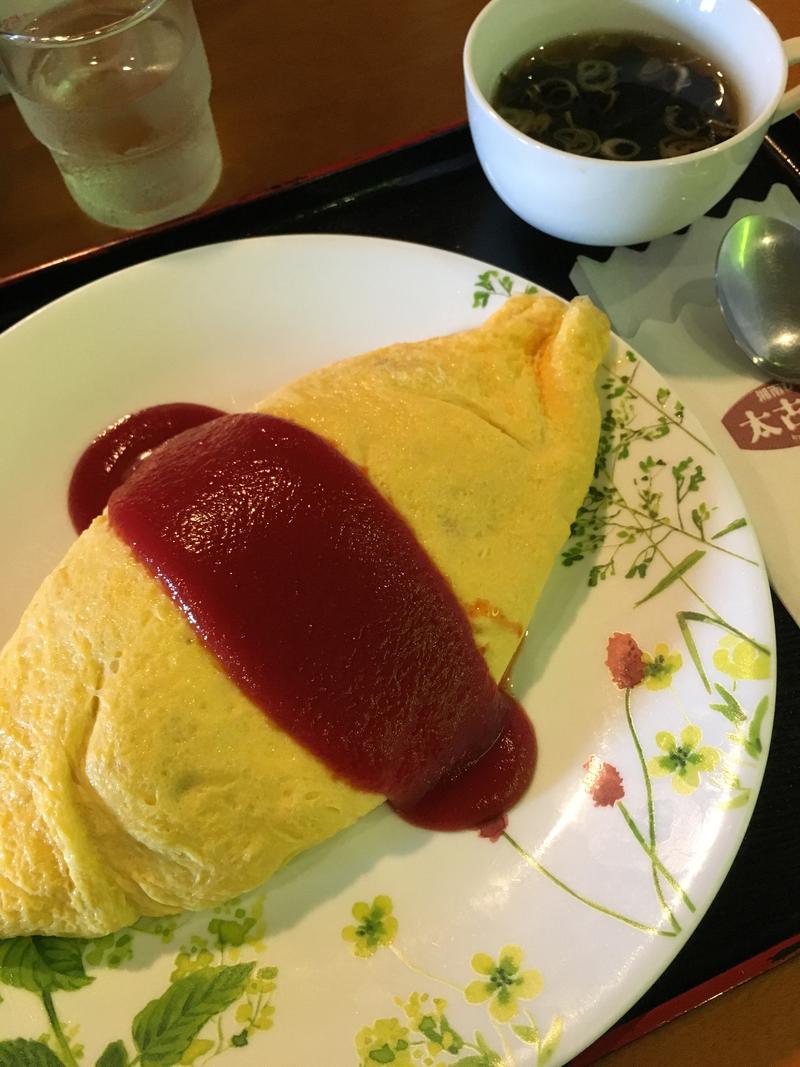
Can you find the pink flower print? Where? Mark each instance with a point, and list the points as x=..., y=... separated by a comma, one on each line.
x=625, y=661
x=602, y=782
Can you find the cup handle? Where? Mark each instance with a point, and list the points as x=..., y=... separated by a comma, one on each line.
x=790, y=101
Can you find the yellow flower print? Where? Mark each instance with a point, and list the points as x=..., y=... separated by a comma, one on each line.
x=426, y=1015
x=194, y=959
x=386, y=1041
x=70, y=1035
x=685, y=761
x=263, y=981
x=503, y=983
x=198, y=1048
x=739, y=658
x=660, y=667
x=376, y=926
x=263, y=1018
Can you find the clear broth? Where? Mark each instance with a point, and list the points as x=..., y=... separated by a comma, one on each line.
x=619, y=96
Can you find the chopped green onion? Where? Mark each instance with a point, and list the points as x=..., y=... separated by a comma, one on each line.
x=533, y=95
x=620, y=148
x=678, y=120
x=677, y=78
x=602, y=102
x=675, y=145
x=574, y=139
x=720, y=129
x=652, y=68
x=596, y=74
x=528, y=122
x=557, y=93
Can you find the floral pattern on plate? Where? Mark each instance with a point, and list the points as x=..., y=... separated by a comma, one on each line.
x=485, y=951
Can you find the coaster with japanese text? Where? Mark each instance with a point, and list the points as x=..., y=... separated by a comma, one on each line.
x=766, y=417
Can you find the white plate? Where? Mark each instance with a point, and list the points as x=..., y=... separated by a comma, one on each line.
x=580, y=897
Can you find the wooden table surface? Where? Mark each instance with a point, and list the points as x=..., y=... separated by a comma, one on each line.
x=753, y=1025
x=298, y=89
x=303, y=89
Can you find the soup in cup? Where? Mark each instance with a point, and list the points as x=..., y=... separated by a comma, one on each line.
x=604, y=201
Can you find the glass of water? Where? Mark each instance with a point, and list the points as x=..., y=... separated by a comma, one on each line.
x=118, y=92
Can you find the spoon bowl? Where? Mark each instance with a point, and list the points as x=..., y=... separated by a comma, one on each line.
x=758, y=289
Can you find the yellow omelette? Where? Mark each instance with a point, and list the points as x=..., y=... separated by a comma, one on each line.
x=136, y=778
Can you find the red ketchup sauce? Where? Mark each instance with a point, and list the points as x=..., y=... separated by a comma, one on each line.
x=116, y=452
x=321, y=606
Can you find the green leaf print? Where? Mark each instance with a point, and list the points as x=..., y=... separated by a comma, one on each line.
x=731, y=708
x=753, y=745
x=488, y=1053
x=550, y=1042
x=115, y=1055
x=43, y=964
x=22, y=1053
x=444, y=1035
x=483, y=1056
x=700, y=516
x=485, y=287
x=385, y=1054
x=677, y=572
x=627, y=531
x=164, y=1028
x=111, y=951
x=230, y=932
x=737, y=524
x=528, y=1034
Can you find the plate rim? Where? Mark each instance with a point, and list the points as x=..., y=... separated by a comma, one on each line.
x=94, y=289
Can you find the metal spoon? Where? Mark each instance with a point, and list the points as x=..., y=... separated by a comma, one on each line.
x=758, y=289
